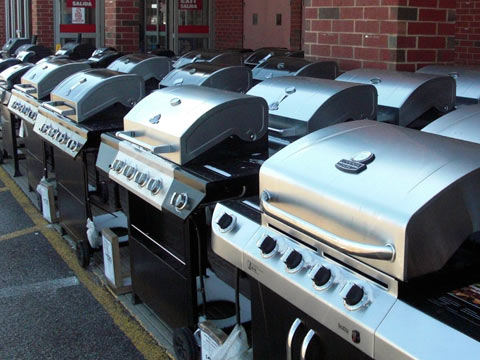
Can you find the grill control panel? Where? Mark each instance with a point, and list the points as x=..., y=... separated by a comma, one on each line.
x=59, y=135
x=348, y=303
x=25, y=110
x=144, y=174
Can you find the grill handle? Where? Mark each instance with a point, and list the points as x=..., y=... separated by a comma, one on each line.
x=293, y=329
x=130, y=137
x=53, y=106
x=377, y=252
x=25, y=88
x=306, y=342
x=282, y=132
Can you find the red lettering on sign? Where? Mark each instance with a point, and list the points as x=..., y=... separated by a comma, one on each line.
x=190, y=4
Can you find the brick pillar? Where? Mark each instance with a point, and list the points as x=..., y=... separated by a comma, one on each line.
x=42, y=22
x=385, y=34
x=2, y=23
x=122, y=21
x=467, y=32
x=296, y=25
x=228, y=24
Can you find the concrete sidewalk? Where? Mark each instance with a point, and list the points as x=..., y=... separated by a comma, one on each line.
x=51, y=308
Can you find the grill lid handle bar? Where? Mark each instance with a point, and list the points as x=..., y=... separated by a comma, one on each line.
x=293, y=329
x=377, y=252
x=53, y=106
x=25, y=88
x=283, y=132
x=130, y=136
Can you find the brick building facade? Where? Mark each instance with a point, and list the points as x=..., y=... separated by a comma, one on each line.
x=390, y=34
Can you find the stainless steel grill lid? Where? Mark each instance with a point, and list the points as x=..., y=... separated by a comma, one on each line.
x=40, y=80
x=466, y=78
x=398, y=199
x=8, y=62
x=259, y=56
x=227, y=58
x=300, y=105
x=13, y=74
x=404, y=96
x=462, y=124
x=232, y=78
x=181, y=123
x=291, y=66
x=146, y=65
x=88, y=92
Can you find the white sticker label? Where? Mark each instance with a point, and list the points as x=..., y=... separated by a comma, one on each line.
x=108, y=260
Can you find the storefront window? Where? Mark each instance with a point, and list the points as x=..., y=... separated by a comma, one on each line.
x=155, y=24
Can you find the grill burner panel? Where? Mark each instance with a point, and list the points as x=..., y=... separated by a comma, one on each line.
x=462, y=124
x=24, y=106
x=327, y=305
x=232, y=78
x=436, y=172
x=467, y=80
x=40, y=80
x=145, y=65
x=403, y=97
x=291, y=66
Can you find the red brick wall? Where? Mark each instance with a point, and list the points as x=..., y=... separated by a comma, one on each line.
x=467, y=32
x=122, y=19
x=2, y=23
x=42, y=22
x=296, y=25
x=228, y=24
x=387, y=34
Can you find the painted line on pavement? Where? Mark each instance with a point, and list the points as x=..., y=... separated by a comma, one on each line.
x=18, y=233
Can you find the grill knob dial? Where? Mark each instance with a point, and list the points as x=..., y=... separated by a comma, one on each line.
x=154, y=185
x=322, y=277
x=181, y=201
x=141, y=179
x=354, y=296
x=226, y=222
x=293, y=260
x=267, y=246
x=129, y=172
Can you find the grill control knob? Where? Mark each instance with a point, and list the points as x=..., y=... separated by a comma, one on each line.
x=293, y=260
x=226, y=222
x=154, y=185
x=322, y=278
x=354, y=296
x=141, y=179
x=179, y=201
x=267, y=246
x=118, y=166
x=129, y=172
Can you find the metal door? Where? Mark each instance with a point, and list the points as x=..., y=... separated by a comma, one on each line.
x=17, y=18
x=266, y=23
x=156, y=24
x=79, y=16
x=191, y=28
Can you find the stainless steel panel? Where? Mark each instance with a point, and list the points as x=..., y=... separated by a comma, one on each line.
x=411, y=93
x=45, y=76
x=462, y=124
x=407, y=333
x=232, y=78
x=145, y=65
x=291, y=66
x=418, y=195
x=107, y=152
x=466, y=78
x=184, y=122
x=315, y=103
x=91, y=91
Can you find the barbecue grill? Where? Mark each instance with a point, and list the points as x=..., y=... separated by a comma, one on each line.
x=150, y=67
x=76, y=50
x=232, y=78
x=291, y=66
x=82, y=107
x=379, y=236
x=32, y=52
x=259, y=56
x=8, y=78
x=103, y=57
x=176, y=160
x=35, y=87
x=300, y=105
x=406, y=98
x=466, y=78
x=8, y=49
x=226, y=58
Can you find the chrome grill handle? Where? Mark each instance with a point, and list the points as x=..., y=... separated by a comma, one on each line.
x=377, y=252
x=25, y=88
x=130, y=137
x=53, y=106
x=306, y=342
x=282, y=132
x=291, y=333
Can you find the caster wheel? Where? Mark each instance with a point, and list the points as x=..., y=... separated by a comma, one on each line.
x=184, y=344
x=83, y=253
